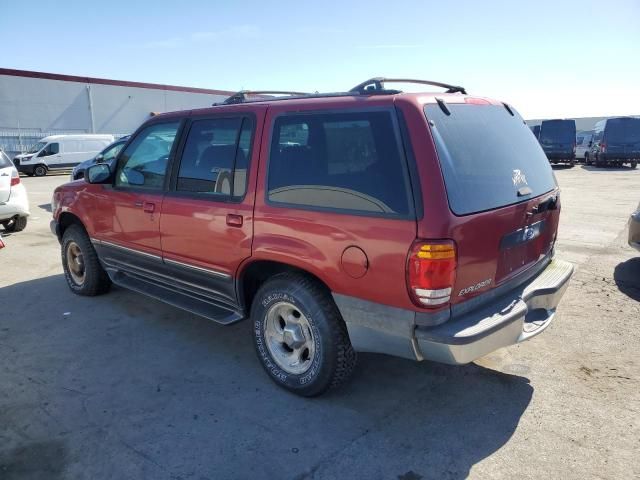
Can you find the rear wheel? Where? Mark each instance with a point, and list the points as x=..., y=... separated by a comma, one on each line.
x=82, y=269
x=16, y=224
x=634, y=163
x=40, y=171
x=299, y=335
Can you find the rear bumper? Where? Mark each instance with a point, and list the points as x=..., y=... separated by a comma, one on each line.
x=619, y=157
x=561, y=156
x=17, y=205
x=514, y=317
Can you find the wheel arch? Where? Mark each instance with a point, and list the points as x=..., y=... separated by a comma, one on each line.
x=65, y=220
x=254, y=274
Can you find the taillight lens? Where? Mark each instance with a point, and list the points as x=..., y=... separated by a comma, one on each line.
x=603, y=148
x=15, y=178
x=431, y=272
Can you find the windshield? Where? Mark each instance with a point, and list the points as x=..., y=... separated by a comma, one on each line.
x=488, y=157
x=623, y=130
x=557, y=131
x=37, y=147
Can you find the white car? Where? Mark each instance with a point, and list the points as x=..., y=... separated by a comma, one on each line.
x=14, y=205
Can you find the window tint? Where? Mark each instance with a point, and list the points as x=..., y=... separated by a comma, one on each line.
x=51, y=149
x=347, y=161
x=144, y=163
x=215, y=148
x=488, y=157
x=4, y=160
x=112, y=151
x=623, y=130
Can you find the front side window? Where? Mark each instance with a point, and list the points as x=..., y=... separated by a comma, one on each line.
x=215, y=157
x=144, y=163
x=343, y=161
x=51, y=149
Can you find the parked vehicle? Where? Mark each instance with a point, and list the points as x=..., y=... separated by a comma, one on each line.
x=634, y=229
x=360, y=221
x=558, y=140
x=14, y=204
x=583, y=139
x=536, y=130
x=108, y=155
x=58, y=152
x=616, y=141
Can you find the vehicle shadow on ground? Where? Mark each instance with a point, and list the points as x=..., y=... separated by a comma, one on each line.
x=627, y=278
x=182, y=396
x=560, y=167
x=593, y=168
x=46, y=207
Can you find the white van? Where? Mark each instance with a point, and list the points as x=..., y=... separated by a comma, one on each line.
x=59, y=152
x=582, y=145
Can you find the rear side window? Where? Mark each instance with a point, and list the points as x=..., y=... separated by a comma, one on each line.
x=489, y=159
x=215, y=157
x=341, y=161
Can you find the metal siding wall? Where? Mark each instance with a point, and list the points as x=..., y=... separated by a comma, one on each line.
x=33, y=105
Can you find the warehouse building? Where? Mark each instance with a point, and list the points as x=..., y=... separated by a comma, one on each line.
x=35, y=104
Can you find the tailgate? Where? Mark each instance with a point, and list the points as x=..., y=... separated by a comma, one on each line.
x=501, y=191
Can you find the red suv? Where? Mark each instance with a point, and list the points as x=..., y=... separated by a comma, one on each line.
x=416, y=225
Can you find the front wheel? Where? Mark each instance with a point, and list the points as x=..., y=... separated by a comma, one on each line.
x=40, y=171
x=82, y=269
x=299, y=335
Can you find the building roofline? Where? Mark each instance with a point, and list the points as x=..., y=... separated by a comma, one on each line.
x=105, y=81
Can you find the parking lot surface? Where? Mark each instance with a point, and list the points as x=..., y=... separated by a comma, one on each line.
x=123, y=386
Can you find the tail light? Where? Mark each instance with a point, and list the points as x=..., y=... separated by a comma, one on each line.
x=603, y=148
x=431, y=272
x=15, y=178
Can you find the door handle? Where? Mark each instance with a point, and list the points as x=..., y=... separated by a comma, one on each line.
x=147, y=207
x=234, y=220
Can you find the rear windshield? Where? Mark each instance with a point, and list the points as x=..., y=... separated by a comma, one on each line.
x=558, y=131
x=488, y=157
x=4, y=160
x=623, y=130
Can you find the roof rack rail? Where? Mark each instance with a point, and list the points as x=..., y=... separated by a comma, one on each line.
x=241, y=96
x=376, y=84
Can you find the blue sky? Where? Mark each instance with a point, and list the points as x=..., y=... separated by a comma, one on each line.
x=548, y=58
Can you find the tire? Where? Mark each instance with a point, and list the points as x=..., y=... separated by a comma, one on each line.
x=39, y=170
x=634, y=163
x=16, y=224
x=85, y=276
x=586, y=159
x=597, y=162
x=329, y=360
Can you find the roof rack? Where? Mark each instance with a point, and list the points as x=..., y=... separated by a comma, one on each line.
x=376, y=84
x=241, y=96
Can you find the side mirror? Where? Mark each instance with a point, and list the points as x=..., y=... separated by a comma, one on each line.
x=590, y=143
x=99, y=173
x=99, y=158
x=43, y=153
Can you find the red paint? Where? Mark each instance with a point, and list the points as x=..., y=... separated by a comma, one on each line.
x=364, y=257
